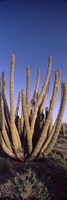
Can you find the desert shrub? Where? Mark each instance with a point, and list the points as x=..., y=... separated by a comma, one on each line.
x=26, y=185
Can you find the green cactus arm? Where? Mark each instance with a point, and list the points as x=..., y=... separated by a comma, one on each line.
x=19, y=126
x=5, y=103
x=5, y=148
x=25, y=113
x=22, y=122
x=35, y=95
x=50, y=126
x=59, y=120
x=51, y=122
x=12, y=116
x=4, y=133
x=17, y=107
x=47, y=77
x=6, y=109
x=41, y=94
x=22, y=117
x=45, y=129
x=18, y=146
x=4, y=83
x=4, y=87
x=14, y=133
x=28, y=88
x=37, y=81
x=44, y=100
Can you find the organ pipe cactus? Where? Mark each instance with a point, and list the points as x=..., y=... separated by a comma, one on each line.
x=33, y=134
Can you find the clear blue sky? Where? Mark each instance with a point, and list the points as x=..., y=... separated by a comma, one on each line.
x=33, y=30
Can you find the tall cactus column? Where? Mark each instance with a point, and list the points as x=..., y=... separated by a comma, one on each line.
x=14, y=133
x=28, y=89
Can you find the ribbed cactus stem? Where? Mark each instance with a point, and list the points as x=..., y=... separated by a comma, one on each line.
x=47, y=76
x=12, y=117
x=35, y=95
x=5, y=148
x=22, y=122
x=59, y=121
x=4, y=87
x=51, y=125
x=22, y=117
x=29, y=136
x=44, y=100
x=4, y=84
x=19, y=125
x=6, y=107
x=37, y=81
x=28, y=88
x=2, y=79
x=14, y=132
x=45, y=129
x=41, y=94
x=4, y=133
